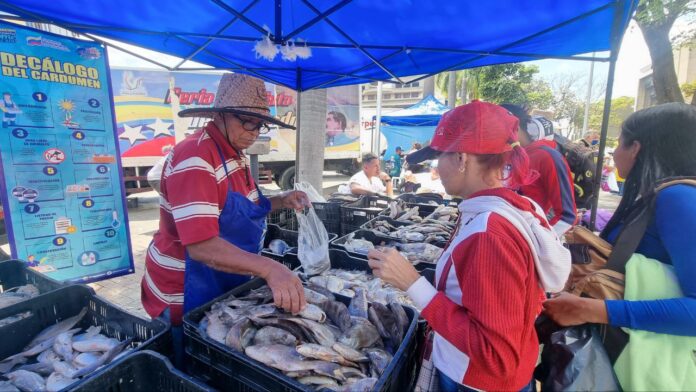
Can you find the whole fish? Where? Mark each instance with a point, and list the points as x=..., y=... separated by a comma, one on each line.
x=400, y=316
x=17, y=294
x=41, y=368
x=313, y=312
x=274, y=335
x=90, y=332
x=329, y=282
x=358, y=305
x=26, y=381
x=103, y=359
x=57, y=382
x=362, y=385
x=95, y=343
x=385, y=321
x=314, y=297
x=241, y=335
x=297, y=331
x=65, y=368
x=361, y=334
x=337, y=312
x=48, y=356
x=319, y=381
x=6, y=386
x=85, y=359
x=215, y=327
x=349, y=353
x=8, y=363
x=278, y=356
x=320, y=332
x=323, y=353
x=57, y=329
x=379, y=358
x=278, y=246
x=63, y=345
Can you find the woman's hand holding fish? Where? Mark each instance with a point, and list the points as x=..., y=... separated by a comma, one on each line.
x=393, y=268
x=288, y=292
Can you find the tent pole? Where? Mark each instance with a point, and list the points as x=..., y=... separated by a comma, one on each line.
x=376, y=135
x=616, y=37
x=298, y=121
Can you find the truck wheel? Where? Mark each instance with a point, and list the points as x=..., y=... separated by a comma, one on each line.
x=287, y=179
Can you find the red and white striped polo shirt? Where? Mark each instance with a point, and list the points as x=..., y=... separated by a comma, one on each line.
x=194, y=189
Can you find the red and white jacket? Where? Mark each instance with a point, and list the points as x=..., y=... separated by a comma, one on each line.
x=504, y=257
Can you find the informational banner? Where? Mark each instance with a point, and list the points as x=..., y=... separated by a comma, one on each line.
x=60, y=171
x=144, y=115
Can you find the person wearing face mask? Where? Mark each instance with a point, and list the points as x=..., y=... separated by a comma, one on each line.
x=502, y=257
x=212, y=213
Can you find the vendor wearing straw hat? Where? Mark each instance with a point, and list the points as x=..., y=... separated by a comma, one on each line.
x=212, y=213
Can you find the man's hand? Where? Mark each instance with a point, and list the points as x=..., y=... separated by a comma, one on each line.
x=288, y=292
x=295, y=200
x=384, y=176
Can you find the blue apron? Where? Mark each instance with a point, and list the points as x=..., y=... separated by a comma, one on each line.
x=243, y=224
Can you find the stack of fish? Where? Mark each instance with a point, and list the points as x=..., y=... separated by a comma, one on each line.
x=327, y=345
x=429, y=231
x=349, y=283
x=416, y=252
x=343, y=198
x=17, y=294
x=400, y=211
x=444, y=214
x=59, y=356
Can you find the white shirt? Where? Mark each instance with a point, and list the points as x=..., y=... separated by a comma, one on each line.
x=374, y=184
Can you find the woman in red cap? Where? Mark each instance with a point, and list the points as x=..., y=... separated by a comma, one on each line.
x=502, y=257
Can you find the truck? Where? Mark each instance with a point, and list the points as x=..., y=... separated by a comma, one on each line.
x=148, y=127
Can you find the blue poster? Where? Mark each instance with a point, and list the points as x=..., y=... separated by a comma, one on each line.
x=60, y=168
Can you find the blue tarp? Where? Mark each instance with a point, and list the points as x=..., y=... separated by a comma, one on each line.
x=427, y=112
x=351, y=41
x=415, y=124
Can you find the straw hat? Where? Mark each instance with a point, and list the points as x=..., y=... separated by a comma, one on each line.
x=238, y=94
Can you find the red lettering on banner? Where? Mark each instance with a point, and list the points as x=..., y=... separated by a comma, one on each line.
x=202, y=97
x=281, y=99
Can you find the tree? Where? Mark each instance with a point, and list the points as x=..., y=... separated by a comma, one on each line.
x=689, y=90
x=621, y=108
x=512, y=83
x=655, y=19
x=466, y=85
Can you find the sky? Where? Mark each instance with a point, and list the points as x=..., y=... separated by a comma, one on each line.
x=633, y=56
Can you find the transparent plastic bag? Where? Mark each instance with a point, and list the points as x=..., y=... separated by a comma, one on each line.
x=312, y=194
x=313, y=243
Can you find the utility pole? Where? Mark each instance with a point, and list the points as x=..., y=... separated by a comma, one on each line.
x=586, y=118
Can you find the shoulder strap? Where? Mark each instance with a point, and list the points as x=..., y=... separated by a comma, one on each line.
x=632, y=233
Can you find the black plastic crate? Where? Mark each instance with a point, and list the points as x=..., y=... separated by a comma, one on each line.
x=354, y=215
x=51, y=308
x=14, y=273
x=234, y=371
x=330, y=214
x=145, y=371
x=284, y=218
x=290, y=237
x=377, y=240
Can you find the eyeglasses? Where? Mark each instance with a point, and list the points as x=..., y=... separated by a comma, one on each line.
x=252, y=126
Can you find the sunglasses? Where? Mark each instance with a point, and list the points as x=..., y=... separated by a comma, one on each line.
x=252, y=126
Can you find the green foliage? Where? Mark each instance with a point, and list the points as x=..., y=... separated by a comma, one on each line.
x=689, y=89
x=513, y=83
x=621, y=108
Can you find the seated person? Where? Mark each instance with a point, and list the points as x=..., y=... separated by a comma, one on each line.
x=433, y=184
x=370, y=180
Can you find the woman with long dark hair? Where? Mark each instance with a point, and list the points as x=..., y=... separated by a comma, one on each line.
x=655, y=145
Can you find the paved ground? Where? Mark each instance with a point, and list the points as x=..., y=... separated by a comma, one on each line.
x=144, y=219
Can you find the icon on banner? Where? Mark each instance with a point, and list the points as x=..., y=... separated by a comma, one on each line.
x=54, y=155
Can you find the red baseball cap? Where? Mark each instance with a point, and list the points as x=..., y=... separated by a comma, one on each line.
x=475, y=128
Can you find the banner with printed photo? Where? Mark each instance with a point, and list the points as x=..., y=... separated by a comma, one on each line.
x=60, y=170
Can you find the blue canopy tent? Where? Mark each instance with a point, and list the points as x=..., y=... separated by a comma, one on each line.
x=413, y=124
x=347, y=42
